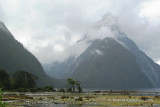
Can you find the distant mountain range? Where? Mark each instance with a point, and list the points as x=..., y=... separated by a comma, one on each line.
x=113, y=62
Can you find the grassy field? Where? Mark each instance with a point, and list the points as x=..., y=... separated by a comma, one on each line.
x=16, y=99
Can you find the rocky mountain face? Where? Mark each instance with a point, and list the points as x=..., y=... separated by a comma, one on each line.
x=108, y=64
x=120, y=61
x=112, y=60
x=148, y=66
x=14, y=57
x=59, y=70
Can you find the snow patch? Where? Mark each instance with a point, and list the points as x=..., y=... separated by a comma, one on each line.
x=98, y=52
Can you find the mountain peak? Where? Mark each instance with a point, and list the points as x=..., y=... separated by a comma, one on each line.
x=107, y=27
x=108, y=20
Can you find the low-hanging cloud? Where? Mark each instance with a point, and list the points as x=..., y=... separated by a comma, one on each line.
x=50, y=29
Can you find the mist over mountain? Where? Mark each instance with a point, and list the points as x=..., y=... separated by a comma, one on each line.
x=111, y=60
x=59, y=70
x=107, y=64
x=14, y=57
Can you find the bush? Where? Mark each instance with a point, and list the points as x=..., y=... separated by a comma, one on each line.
x=22, y=90
x=144, y=98
x=47, y=88
x=156, y=96
x=61, y=90
x=1, y=96
x=63, y=97
x=69, y=89
x=79, y=99
x=32, y=90
x=97, y=91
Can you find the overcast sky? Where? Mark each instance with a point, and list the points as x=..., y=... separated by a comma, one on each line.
x=50, y=29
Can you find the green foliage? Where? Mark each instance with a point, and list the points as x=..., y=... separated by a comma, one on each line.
x=144, y=98
x=4, y=80
x=24, y=80
x=48, y=88
x=61, y=90
x=1, y=96
x=63, y=97
x=79, y=99
x=78, y=83
x=157, y=96
x=71, y=84
x=22, y=90
x=69, y=89
x=44, y=89
x=14, y=57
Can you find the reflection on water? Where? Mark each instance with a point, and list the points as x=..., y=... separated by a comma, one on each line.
x=127, y=89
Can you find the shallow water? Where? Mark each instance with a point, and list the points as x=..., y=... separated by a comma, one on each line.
x=62, y=105
x=73, y=105
x=136, y=89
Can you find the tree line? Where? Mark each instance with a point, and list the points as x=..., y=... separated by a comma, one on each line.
x=23, y=81
x=20, y=79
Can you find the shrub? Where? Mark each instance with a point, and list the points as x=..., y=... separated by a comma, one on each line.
x=22, y=90
x=156, y=96
x=79, y=99
x=63, y=97
x=33, y=90
x=61, y=90
x=69, y=89
x=1, y=96
x=48, y=88
x=144, y=98
x=97, y=91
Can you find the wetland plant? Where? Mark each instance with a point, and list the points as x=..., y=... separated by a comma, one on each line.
x=2, y=104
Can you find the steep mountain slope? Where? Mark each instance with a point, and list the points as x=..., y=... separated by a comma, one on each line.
x=113, y=62
x=148, y=66
x=59, y=69
x=108, y=27
x=14, y=57
x=107, y=64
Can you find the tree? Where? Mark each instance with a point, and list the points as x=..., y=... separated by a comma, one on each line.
x=4, y=80
x=78, y=84
x=71, y=84
x=24, y=79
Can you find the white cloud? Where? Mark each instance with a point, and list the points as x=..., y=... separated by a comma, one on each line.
x=50, y=28
x=151, y=10
x=158, y=62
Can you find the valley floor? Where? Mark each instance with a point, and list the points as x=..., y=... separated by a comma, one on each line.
x=86, y=99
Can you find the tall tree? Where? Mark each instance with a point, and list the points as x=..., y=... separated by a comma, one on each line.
x=78, y=84
x=24, y=79
x=71, y=84
x=4, y=80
